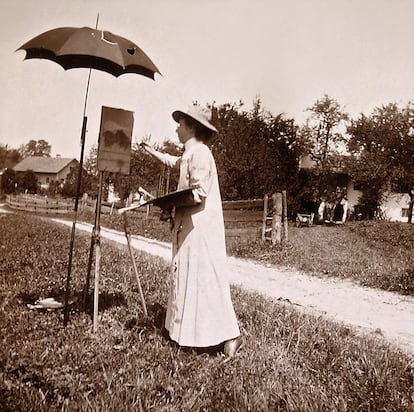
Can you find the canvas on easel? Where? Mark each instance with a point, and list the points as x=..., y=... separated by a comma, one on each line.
x=114, y=149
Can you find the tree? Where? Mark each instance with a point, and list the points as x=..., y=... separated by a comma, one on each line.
x=323, y=139
x=8, y=181
x=36, y=148
x=255, y=151
x=322, y=130
x=90, y=165
x=27, y=182
x=91, y=161
x=8, y=157
x=70, y=185
x=383, y=145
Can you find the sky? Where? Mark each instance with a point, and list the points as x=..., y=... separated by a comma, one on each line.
x=287, y=52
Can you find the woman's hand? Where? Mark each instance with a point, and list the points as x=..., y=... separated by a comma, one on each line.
x=145, y=146
x=167, y=159
x=149, y=149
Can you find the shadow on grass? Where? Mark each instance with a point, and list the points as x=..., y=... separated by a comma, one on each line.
x=156, y=320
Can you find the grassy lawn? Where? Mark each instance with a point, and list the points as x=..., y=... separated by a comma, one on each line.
x=378, y=254
x=374, y=253
x=290, y=361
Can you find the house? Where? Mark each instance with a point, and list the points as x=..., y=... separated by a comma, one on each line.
x=47, y=169
x=394, y=206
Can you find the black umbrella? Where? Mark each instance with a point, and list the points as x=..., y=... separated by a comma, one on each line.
x=73, y=47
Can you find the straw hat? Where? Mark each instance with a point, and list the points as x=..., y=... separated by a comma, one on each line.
x=200, y=114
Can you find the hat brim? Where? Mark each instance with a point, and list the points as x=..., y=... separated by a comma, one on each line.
x=178, y=114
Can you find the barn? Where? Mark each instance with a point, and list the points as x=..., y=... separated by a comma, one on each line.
x=47, y=169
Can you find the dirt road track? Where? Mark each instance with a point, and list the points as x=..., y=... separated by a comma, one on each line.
x=370, y=310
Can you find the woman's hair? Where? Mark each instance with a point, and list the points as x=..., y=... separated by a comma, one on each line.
x=201, y=132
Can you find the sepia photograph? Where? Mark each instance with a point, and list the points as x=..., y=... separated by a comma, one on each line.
x=207, y=205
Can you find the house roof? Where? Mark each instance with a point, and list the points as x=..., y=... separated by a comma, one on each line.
x=43, y=164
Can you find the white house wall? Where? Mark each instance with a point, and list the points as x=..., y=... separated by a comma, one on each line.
x=352, y=195
x=393, y=205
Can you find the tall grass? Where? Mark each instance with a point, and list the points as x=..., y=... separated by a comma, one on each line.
x=290, y=360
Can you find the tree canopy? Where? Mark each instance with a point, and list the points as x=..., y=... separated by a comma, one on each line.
x=322, y=132
x=35, y=148
x=383, y=148
x=255, y=151
x=9, y=157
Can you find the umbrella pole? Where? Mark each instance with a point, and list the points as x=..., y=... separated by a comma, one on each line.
x=72, y=236
x=78, y=189
x=97, y=241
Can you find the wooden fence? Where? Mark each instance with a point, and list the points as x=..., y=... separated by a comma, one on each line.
x=244, y=220
x=40, y=204
x=264, y=219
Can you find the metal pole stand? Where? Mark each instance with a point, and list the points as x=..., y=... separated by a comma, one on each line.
x=72, y=236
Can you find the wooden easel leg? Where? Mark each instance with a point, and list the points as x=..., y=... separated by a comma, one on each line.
x=88, y=273
x=134, y=264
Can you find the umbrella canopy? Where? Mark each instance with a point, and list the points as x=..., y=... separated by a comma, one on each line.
x=74, y=47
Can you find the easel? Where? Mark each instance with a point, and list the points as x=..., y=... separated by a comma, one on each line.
x=96, y=244
x=112, y=159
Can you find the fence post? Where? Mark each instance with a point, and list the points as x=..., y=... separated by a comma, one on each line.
x=277, y=218
x=265, y=207
x=285, y=218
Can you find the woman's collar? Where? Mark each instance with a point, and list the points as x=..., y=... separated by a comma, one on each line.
x=191, y=142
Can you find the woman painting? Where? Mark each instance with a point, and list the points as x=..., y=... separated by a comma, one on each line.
x=200, y=311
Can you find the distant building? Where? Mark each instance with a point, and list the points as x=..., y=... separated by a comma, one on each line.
x=47, y=169
x=394, y=206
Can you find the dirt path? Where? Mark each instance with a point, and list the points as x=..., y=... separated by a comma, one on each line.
x=370, y=310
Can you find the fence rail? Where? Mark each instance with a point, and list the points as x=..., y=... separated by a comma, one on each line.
x=243, y=219
x=264, y=219
x=32, y=203
x=255, y=204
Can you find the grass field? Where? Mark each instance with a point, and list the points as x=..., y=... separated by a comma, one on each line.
x=290, y=361
x=378, y=254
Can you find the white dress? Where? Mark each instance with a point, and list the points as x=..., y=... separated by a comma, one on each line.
x=200, y=311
